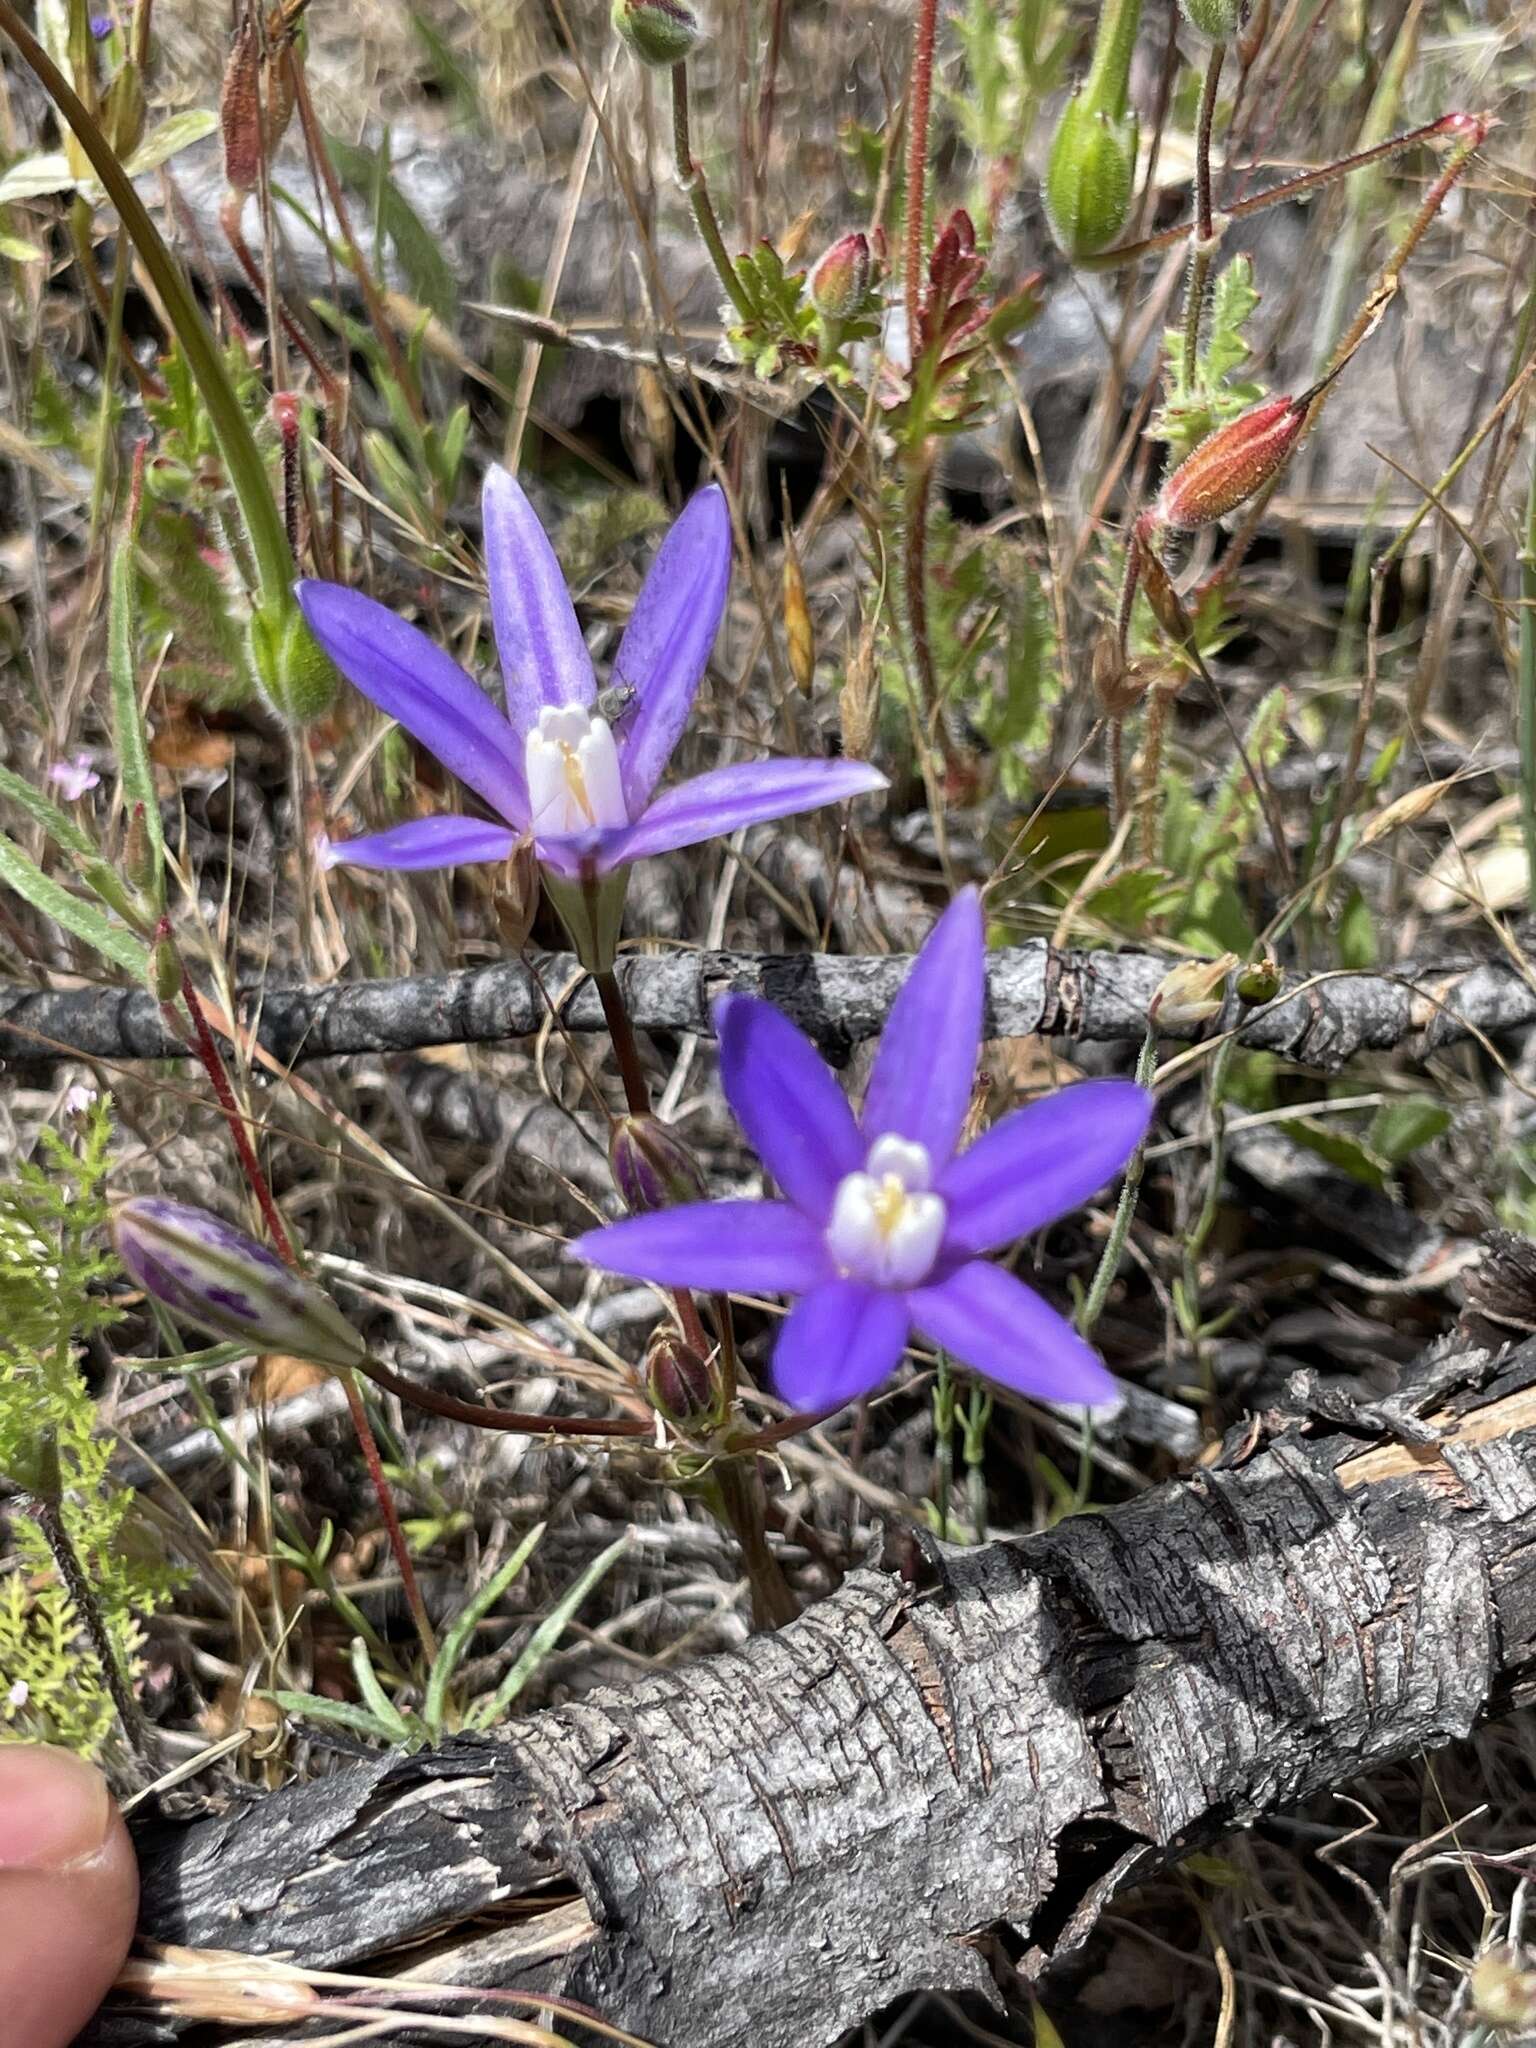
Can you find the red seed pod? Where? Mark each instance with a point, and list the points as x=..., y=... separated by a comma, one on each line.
x=1231, y=464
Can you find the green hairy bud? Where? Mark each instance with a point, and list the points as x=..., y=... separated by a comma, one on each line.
x=659, y=32
x=1091, y=177
x=1216, y=20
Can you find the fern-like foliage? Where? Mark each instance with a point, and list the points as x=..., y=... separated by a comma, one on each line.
x=53, y=1264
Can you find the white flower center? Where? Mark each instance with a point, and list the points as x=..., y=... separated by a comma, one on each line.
x=886, y=1227
x=574, y=784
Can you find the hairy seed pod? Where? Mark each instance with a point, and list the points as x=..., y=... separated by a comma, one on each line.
x=1230, y=465
x=1216, y=20
x=1090, y=178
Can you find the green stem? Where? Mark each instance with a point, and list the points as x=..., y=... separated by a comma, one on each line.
x=1109, y=71
x=690, y=176
x=1527, y=688
x=739, y=1491
x=1125, y=1209
x=242, y=460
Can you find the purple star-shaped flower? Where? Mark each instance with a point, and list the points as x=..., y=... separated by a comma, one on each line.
x=883, y=1223
x=578, y=778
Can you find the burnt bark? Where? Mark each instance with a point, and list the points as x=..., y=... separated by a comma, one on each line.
x=1320, y=1022
x=930, y=1781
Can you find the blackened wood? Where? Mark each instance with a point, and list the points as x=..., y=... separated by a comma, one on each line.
x=840, y=1001
x=773, y=1843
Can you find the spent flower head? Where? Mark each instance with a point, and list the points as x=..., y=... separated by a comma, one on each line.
x=574, y=772
x=884, y=1224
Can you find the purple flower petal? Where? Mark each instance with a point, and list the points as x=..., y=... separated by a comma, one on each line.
x=1041, y=1162
x=727, y=1247
x=410, y=679
x=996, y=1325
x=667, y=641
x=442, y=842
x=748, y=793
x=837, y=1343
x=920, y=1085
x=544, y=659
x=784, y=1097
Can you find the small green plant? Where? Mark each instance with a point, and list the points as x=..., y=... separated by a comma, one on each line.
x=53, y=1263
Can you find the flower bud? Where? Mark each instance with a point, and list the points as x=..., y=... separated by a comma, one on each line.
x=680, y=1385
x=1214, y=19
x=218, y=1279
x=651, y=1168
x=1231, y=464
x=297, y=676
x=659, y=32
x=1190, y=994
x=164, y=971
x=839, y=281
x=1090, y=177
x=1260, y=981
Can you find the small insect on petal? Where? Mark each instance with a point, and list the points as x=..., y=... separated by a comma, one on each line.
x=219, y=1280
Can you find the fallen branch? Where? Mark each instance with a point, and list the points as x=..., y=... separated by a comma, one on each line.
x=840, y=1001
x=769, y=1845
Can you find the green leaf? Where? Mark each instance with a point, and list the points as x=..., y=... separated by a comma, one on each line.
x=34, y=177
x=487, y=1711
x=17, y=251
x=61, y=828
x=1401, y=1127
x=169, y=137
x=112, y=941
x=1349, y=1154
x=427, y=270
x=465, y=1623
x=379, y=1703
x=128, y=732
x=1357, y=934
x=309, y=1706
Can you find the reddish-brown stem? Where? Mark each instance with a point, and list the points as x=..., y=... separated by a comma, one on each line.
x=919, y=102
x=1203, y=238
x=1128, y=252
x=370, y=1449
x=213, y=1065
x=480, y=1417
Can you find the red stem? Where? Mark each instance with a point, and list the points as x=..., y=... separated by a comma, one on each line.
x=919, y=101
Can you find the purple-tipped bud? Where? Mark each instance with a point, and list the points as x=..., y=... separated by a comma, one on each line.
x=659, y=32
x=839, y=281
x=651, y=1169
x=216, y=1278
x=680, y=1385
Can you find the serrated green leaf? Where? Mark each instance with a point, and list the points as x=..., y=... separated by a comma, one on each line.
x=112, y=941
x=34, y=177
x=169, y=137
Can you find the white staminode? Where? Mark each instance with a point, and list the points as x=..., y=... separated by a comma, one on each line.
x=886, y=1227
x=574, y=784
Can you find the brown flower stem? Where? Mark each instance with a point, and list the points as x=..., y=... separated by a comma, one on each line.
x=218, y=1074
x=919, y=103
x=480, y=1417
x=1203, y=235
x=739, y=1491
x=1154, y=732
x=690, y=176
x=621, y=1031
